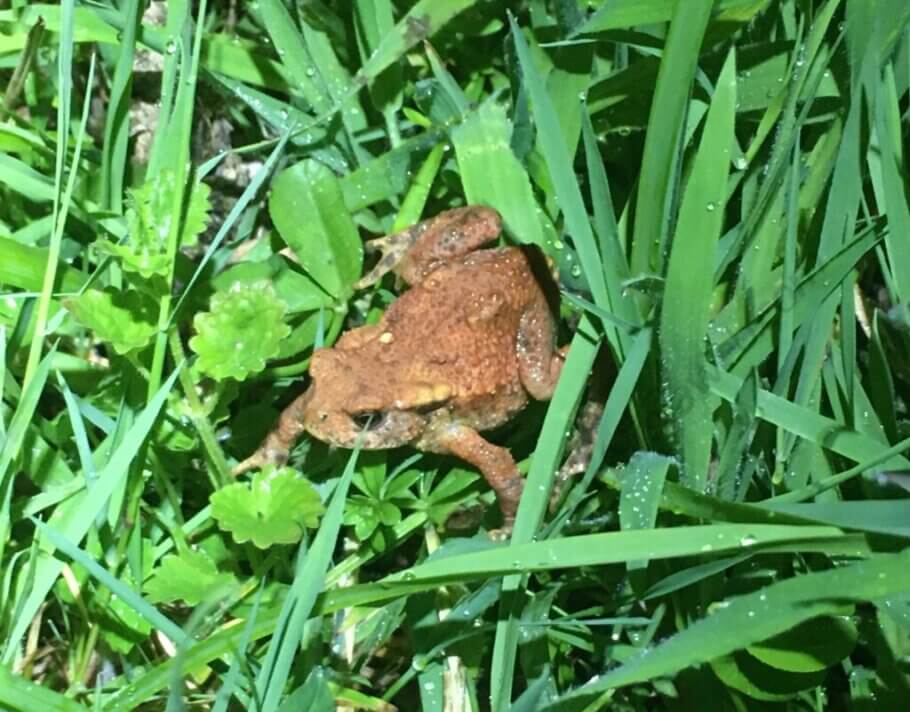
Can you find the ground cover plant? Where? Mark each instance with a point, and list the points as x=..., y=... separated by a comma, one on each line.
x=185, y=191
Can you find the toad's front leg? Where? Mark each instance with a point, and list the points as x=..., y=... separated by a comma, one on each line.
x=278, y=443
x=495, y=464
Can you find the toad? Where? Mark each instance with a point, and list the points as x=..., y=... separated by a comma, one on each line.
x=456, y=354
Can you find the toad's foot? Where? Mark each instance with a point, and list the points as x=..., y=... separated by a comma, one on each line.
x=495, y=464
x=278, y=443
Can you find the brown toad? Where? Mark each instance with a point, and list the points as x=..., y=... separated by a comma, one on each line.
x=457, y=353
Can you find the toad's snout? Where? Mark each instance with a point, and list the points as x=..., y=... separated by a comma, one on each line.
x=368, y=430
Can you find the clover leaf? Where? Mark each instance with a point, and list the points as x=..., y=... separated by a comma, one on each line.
x=241, y=331
x=189, y=576
x=274, y=508
x=125, y=319
x=148, y=217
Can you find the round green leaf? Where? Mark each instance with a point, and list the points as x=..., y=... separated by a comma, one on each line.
x=241, y=331
x=274, y=508
x=811, y=646
x=307, y=206
x=189, y=576
x=127, y=320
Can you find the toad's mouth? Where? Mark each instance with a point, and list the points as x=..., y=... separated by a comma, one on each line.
x=369, y=430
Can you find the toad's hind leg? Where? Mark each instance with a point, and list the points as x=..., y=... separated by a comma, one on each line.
x=539, y=361
x=416, y=251
x=495, y=464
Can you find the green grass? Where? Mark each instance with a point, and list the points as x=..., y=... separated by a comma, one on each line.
x=722, y=187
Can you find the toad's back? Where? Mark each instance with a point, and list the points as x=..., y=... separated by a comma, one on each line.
x=460, y=325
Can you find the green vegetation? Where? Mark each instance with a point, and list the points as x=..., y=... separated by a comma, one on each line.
x=184, y=197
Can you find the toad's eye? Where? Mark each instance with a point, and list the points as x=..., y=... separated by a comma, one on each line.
x=365, y=419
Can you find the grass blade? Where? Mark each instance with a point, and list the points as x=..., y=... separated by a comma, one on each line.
x=75, y=516
x=687, y=294
x=654, y=210
x=757, y=616
x=307, y=585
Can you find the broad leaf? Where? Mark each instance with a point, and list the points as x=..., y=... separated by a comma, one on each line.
x=190, y=576
x=274, y=508
x=307, y=207
x=241, y=331
x=125, y=319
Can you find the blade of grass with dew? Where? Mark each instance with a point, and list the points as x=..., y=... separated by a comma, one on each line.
x=223, y=54
x=562, y=172
x=286, y=118
x=615, y=267
x=127, y=594
x=693, y=574
x=584, y=550
x=642, y=486
x=175, y=53
x=534, y=500
x=816, y=488
x=788, y=287
x=754, y=617
x=172, y=146
x=893, y=175
x=415, y=199
x=390, y=174
x=374, y=19
x=668, y=110
x=730, y=483
x=116, y=121
x=422, y=21
x=785, y=100
x=295, y=56
x=616, y=548
x=881, y=516
x=806, y=423
x=882, y=392
x=305, y=588
x=492, y=175
x=447, y=82
x=840, y=217
x=687, y=294
x=20, y=695
x=619, y=399
x=620, y=14
x=750, y=346
x=688, y=503
x=75, y=516
x=62, y=195
x=336, y=82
